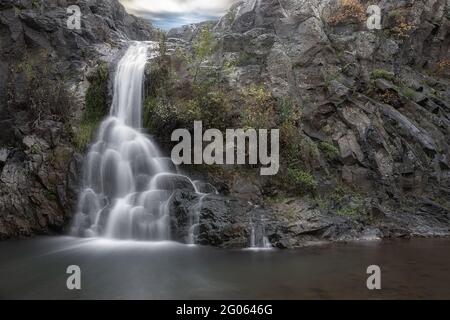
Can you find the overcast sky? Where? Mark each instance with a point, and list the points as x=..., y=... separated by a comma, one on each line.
x=167, y=14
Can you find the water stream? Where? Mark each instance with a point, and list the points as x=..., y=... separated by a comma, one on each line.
x=127, y=181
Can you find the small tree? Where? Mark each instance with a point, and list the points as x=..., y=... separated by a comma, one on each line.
x=162, y=41
x=203, y=47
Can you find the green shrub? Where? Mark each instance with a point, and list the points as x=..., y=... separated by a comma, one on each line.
x=408, y=92
x=349, y=212
x=97, y=95
x=213, y=108
x=149, y=111
x=302, y=179
x=203, y=47
x=162, y=44
x=353, y=208
x=329, y=150
x=382, y=74
x=259, y=108
x=329, y=77
x=245, y=59
x=342, y=202
x=47, y=92
x=84, y=135
x=287, y=112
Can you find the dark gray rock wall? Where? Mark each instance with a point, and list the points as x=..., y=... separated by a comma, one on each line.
x=43, y=81
x=381, y=97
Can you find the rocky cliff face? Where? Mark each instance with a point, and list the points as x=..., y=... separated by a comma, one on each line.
x=373, y=109
x=48, y=80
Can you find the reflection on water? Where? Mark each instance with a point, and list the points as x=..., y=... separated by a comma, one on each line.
x=35, y=269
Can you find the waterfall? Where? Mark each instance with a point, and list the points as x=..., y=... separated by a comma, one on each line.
x=258, y=19
x=127, y=183
x=258, y=238
x=195, y=221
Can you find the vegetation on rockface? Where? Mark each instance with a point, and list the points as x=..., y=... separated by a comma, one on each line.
x=304, y=181
x=330, y=150
x=44, y=94
x=443, y=67
x=342, y=201
x=175, y=94
x=396, y=90
x=173, y=100
x=348, y=11
x=396, y=24
x=259, y=110
x=382, y=74
x=408, y=92
x=400, y=26
x=96, y=106
x=193, y=85
x=185, y=87
x=182, y=89
x=203, y=47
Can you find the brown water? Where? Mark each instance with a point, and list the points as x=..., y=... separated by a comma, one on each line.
x=36, y=269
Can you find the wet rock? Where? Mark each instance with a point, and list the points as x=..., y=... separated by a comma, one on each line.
x=182, y=208
x=305, y=225
x=223, y=221
x=246, y=189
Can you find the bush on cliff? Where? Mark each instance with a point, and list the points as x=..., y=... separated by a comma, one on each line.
x=43, y=90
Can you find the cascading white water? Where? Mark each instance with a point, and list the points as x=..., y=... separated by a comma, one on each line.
x=258, y=238
x=127, y=182
x=258, y=19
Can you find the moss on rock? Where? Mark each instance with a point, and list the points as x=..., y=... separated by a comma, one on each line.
x=96, y=106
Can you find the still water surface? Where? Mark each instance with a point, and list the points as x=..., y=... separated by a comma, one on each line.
x=36, y=269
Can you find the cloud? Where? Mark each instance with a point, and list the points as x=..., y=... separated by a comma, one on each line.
x=167, y=14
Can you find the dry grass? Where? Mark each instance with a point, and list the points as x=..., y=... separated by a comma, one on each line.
x=349, y=11
x=402, y=27
x=443, y=66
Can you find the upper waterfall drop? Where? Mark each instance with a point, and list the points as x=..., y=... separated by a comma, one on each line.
x=128, y=85
x=127, y=183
